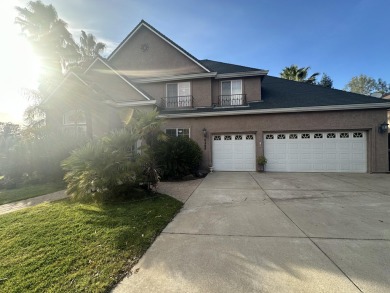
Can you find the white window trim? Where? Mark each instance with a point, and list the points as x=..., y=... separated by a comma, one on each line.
x=76, y=125
x=177, y=130
x=231, y=84
x=177, y=84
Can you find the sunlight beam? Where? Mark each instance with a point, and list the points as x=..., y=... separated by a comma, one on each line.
x=20, y=67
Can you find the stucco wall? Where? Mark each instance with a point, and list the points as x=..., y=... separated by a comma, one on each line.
x=158, y=60
x=251, y=86
x=367, y=120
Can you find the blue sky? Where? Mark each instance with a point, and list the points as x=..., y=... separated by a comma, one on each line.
x=341, y=38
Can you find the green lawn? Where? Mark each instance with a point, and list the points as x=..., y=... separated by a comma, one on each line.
x=74, y=247
x=11, y=195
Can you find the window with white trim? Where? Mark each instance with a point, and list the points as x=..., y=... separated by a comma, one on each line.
x=175, y=132
x=178, y=95
x=231, y=92
x=75, y=122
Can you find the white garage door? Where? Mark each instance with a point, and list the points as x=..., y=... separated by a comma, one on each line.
x=234, y=152
x=316, y=152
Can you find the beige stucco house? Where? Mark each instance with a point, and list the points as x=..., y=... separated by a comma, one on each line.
x=234, y=113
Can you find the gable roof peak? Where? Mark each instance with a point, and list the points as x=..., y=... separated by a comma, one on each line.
x=163, y=37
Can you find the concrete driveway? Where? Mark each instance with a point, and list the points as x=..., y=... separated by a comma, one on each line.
x=274, y=232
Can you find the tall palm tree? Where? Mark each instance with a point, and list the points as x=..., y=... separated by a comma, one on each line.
x=48, y=34
x=298, y=74
x=89, y=47
x=54, y=45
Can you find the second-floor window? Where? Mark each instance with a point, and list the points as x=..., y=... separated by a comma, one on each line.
x=231, y=93
x=178, y=95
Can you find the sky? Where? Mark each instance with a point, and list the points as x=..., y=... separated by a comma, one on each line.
x=341, y=38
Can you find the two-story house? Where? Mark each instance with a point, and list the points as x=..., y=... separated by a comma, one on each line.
x=235, y=113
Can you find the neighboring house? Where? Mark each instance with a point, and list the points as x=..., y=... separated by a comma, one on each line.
x=235, y=113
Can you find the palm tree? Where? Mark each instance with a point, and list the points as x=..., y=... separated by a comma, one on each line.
x=89, y=47
x=48, y=34
x=298, y=74
x=54, y=45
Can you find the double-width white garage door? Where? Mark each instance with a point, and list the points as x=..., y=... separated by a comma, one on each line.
x=234, y=152
x=316, y=151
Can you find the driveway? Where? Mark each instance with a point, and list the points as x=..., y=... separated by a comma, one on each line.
x=274, y=232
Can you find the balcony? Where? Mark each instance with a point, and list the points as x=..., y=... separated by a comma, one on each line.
x=179, y=102
x=232, y=100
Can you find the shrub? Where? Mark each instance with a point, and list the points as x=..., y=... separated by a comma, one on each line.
x=178, y=157
x=37, y=160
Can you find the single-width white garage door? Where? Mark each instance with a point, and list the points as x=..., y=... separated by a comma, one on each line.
x=234, y=152
x=316, y=151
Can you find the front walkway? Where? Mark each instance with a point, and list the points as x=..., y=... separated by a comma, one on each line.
x=274, y=232
x=30, y=202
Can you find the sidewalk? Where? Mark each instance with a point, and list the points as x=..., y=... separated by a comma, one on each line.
x=30, y=202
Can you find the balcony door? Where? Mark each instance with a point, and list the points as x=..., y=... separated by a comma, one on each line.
x=178, y=95
x=231, y=93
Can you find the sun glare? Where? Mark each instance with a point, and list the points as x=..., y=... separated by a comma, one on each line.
x=20, y=67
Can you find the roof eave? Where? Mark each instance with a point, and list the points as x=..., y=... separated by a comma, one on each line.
x=281, y=110
x=242, y=74
x=129, y=104
x=175, y=77
x=62, y=82
x=118, y=74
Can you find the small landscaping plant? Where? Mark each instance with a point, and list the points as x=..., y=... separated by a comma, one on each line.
x=261, y=162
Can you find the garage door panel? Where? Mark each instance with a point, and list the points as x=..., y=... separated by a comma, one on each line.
x=315, y=152
x=234, y=152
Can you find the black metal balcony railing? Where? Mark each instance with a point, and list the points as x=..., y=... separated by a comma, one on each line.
x=232, y=100
x=177, y=102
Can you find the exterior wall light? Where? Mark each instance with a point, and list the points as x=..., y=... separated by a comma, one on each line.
x=204, y=132
x=383, y=127
x=205, y=136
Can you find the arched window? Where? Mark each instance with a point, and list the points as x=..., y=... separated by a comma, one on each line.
x=75, y=122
